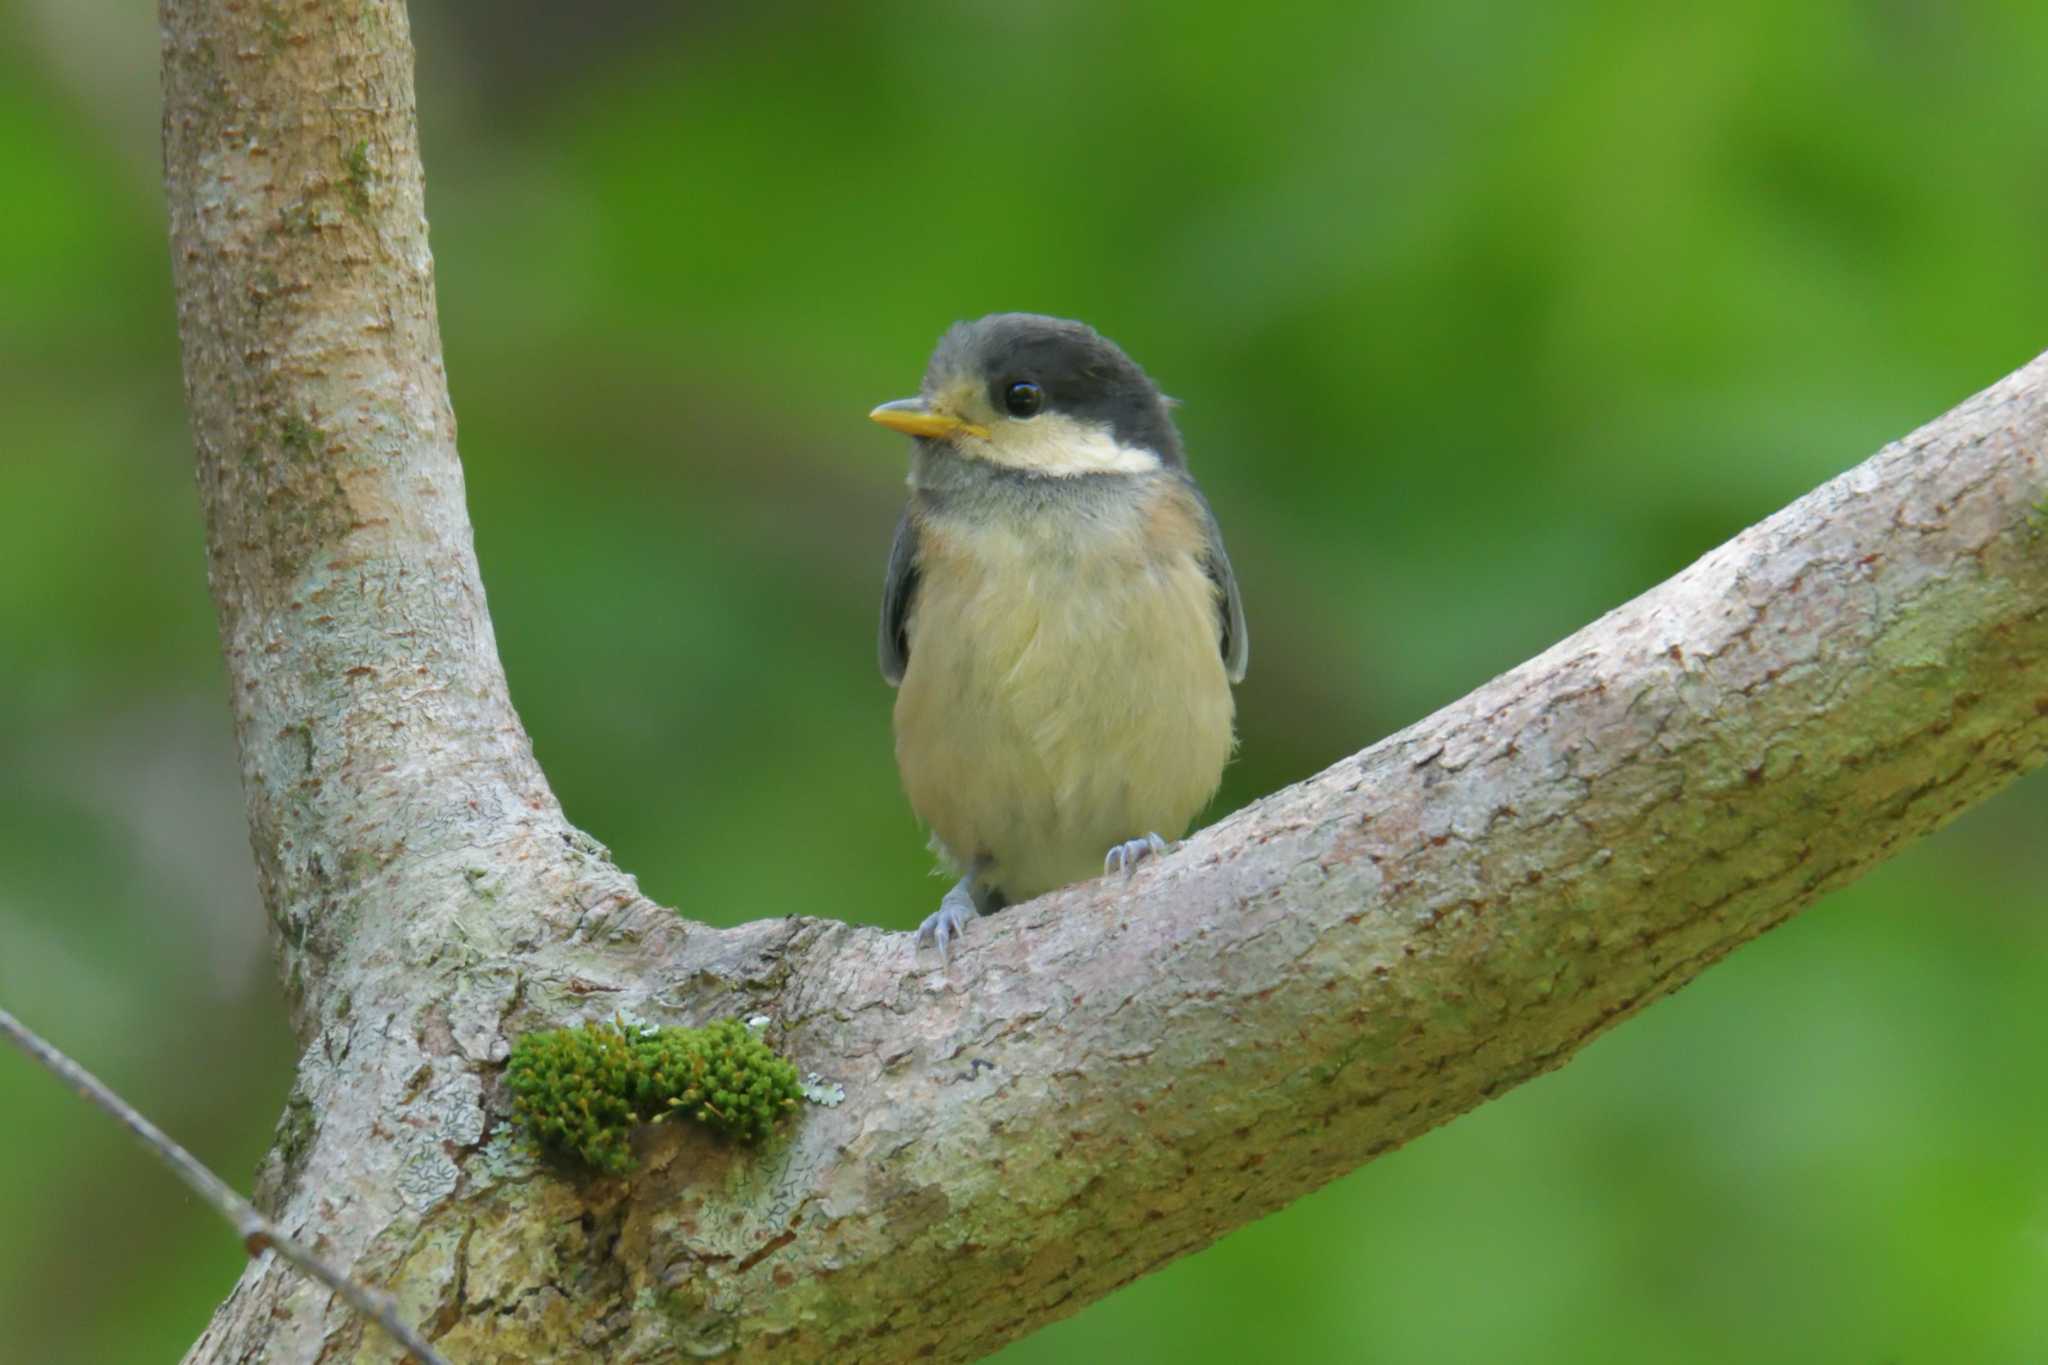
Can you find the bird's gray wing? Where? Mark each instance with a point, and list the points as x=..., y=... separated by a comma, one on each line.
x=1236, y=644
x=893, y=641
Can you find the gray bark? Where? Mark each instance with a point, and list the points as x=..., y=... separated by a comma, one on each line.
x=1105, y=1079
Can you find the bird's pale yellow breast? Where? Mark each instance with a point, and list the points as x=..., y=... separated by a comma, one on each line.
x=1064, y=690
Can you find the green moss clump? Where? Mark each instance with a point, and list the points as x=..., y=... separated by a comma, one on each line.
x=582, y=1090
x=720, y=1075
x=576, y=1089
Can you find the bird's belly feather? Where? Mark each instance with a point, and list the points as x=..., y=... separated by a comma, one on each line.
x=1055, y=705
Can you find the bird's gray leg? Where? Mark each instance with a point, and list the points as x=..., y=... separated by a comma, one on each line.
x=950, y=918
x=968, y=900
x=1126, y=856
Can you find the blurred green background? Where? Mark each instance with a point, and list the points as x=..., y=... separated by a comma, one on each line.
x=1486, y=317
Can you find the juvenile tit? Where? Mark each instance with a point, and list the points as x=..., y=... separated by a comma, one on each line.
x=1059, y=617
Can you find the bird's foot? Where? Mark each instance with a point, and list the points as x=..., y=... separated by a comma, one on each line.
x=949, y=921
x=1126, y=856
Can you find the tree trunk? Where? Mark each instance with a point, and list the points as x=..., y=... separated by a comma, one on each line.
x=1103, y=1080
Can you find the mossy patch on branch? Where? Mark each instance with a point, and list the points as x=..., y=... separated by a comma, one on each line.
x=355, y=164
x=583, y=1090
x=299, y=438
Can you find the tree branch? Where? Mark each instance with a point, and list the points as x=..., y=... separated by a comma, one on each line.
x=1107, y=1078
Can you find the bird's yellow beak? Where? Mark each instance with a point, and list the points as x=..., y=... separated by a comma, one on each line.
x=914, y=417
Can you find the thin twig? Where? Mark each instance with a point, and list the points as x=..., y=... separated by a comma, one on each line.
x=258, y=1233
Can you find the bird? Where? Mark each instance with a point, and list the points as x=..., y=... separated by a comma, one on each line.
x=1059, y=617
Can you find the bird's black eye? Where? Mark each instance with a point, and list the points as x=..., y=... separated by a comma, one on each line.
x=1023, y=398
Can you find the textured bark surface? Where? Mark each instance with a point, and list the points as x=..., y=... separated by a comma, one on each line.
x=1104, y=1079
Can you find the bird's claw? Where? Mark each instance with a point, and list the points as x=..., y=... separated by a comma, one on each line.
x=1126, y=856
x=949, y=921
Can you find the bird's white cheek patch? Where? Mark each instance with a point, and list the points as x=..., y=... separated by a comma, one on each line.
x=1056, y=444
